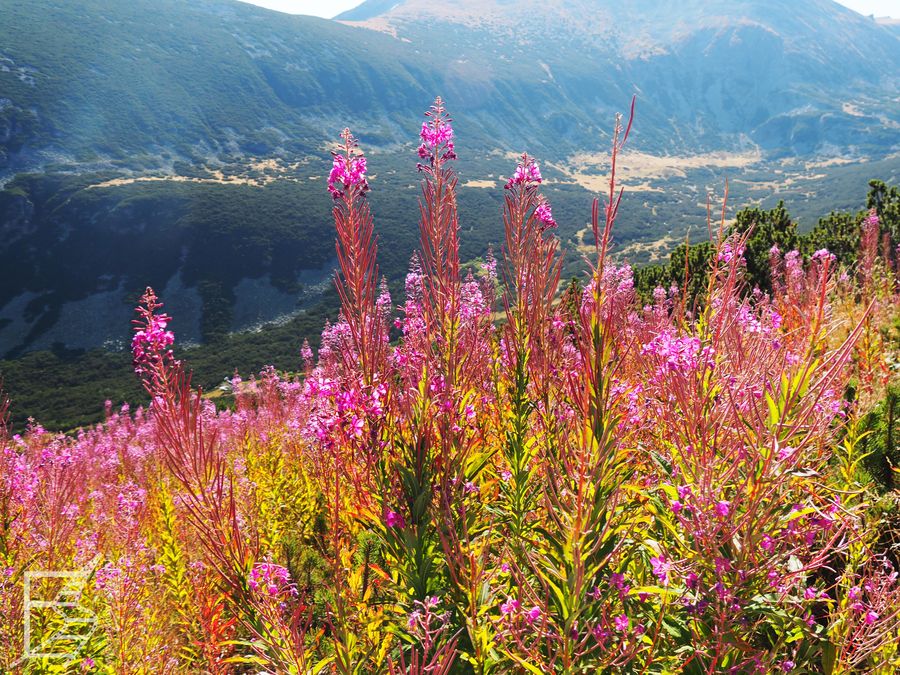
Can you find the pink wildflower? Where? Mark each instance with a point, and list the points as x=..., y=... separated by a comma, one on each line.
x=394, y=520
x=347, y=170
x=729, y=252
x=823, y=255
x=600, y=634
x=677, y=354
x=872, y=219
x=437, y=136
x=527, y=172
x=545, y=215
x=661, y=568
x=274, y=579
x=413, y=619
x=510, y=606
x=723, y=508
x=151, y=341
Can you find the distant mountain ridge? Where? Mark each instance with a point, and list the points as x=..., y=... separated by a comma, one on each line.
x=780, y=75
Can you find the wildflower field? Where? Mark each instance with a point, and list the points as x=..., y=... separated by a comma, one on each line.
x=502, y=474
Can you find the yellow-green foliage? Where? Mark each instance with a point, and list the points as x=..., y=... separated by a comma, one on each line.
x=286, y=497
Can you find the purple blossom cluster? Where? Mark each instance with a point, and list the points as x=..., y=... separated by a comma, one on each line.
x=348, y=168
x=152, y=341
x=346, y=173
x=545, y=215
x=729, y=251
x=871, y=219
x=437, y=141
x=437, y=137
x=271, y=579
x=674, y=354
x=526, y=173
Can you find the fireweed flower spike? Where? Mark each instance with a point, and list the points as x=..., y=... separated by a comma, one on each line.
x=437, y=137
x=151, y=343
x=348, y=168
x=357, y=250
x=511, y=606
x=527, y=172
x=545, y=215
x=442, y=289
x=871, y=219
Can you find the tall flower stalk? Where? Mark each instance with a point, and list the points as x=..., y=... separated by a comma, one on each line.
x=357, y=251
x=439, y=239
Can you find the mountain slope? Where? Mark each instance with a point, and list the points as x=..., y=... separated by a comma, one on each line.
x=150, y=82
x=709, y=72
x=93, y=79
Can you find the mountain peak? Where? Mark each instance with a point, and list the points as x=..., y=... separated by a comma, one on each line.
x=638, y=27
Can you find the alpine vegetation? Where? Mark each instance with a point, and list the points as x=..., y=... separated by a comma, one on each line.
x=497, y=474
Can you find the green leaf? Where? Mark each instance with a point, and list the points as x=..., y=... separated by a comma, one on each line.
x=320, y=666
x=527, y=666
x=829, y=657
